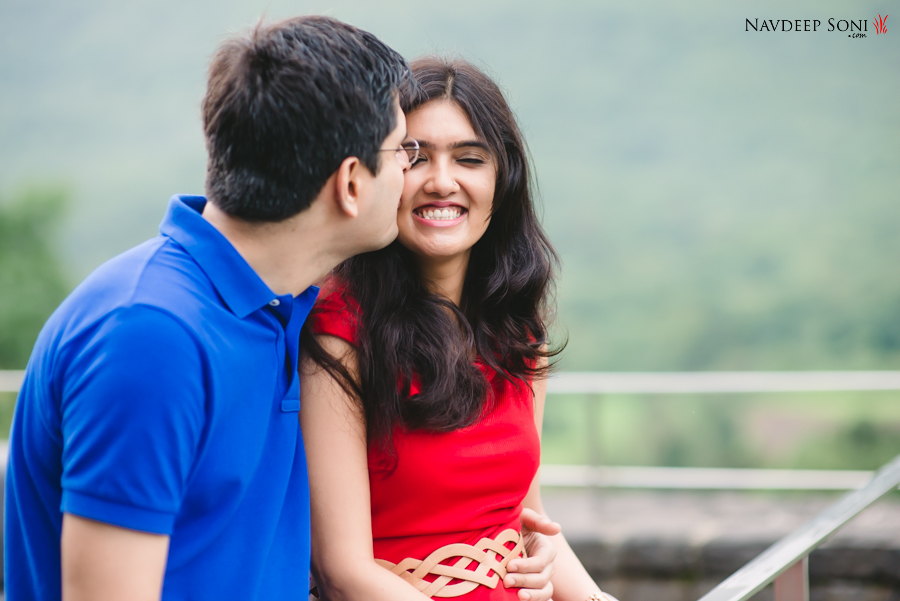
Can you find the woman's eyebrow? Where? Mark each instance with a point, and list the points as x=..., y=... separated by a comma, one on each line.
x=469, y=144
x=457, y=145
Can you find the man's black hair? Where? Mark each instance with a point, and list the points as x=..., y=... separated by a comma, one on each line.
x=287, y=104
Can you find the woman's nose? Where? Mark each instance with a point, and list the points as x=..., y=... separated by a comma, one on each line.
x=441, y=180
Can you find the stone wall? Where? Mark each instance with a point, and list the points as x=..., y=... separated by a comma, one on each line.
x=657, y=546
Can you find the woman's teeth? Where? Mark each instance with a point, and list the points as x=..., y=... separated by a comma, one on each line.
x=445, y=213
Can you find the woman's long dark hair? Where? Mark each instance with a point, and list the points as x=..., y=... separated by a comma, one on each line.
x=502, y=319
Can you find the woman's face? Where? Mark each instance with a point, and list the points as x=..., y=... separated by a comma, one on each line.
x=449, y=191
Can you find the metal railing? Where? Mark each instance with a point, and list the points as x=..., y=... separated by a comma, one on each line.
x=11, y=380
x=677, y=382
x=721, y=381
x=786, y=562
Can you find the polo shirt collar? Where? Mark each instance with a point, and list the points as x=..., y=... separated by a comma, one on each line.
x=242, y=290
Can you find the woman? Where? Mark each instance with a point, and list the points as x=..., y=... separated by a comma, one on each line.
x=424, y=378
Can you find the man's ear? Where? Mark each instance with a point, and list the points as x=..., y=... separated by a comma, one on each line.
x=348, y=185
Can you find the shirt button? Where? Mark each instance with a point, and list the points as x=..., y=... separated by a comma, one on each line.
x=274, y=302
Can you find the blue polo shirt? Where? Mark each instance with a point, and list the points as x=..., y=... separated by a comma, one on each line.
x=162, y=396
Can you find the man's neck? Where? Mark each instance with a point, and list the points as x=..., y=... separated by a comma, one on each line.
x=289, y=256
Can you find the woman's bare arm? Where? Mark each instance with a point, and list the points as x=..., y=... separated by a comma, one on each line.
x=334, y=434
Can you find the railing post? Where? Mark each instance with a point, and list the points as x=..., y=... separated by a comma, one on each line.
x=793, y=583
x=592, y=430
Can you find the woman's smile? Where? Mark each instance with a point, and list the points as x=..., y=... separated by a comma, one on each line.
x=439, y=214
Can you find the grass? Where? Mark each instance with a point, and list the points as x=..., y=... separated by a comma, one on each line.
x=792, y=430
x=7, y=404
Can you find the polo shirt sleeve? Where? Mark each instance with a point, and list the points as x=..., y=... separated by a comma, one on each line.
x=133, y=413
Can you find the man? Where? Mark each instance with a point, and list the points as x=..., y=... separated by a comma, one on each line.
x=155, y=451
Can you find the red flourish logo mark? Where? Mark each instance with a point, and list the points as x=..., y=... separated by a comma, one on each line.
x=879, y=22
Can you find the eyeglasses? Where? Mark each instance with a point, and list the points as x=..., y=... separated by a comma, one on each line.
x=407, y=153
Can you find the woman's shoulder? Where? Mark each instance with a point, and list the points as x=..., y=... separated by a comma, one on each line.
x=336, y=312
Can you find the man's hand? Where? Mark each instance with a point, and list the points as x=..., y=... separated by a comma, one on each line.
x=532, y=575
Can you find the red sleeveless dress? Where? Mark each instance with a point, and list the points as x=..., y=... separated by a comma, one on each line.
x=447, y=487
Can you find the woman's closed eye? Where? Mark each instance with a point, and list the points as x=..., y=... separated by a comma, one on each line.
x=470, y=159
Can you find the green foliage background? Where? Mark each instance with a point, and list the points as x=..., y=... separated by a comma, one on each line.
x=30, y=273
x=721, y=199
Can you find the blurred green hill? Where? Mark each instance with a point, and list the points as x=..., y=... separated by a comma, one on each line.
x=721, y=199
